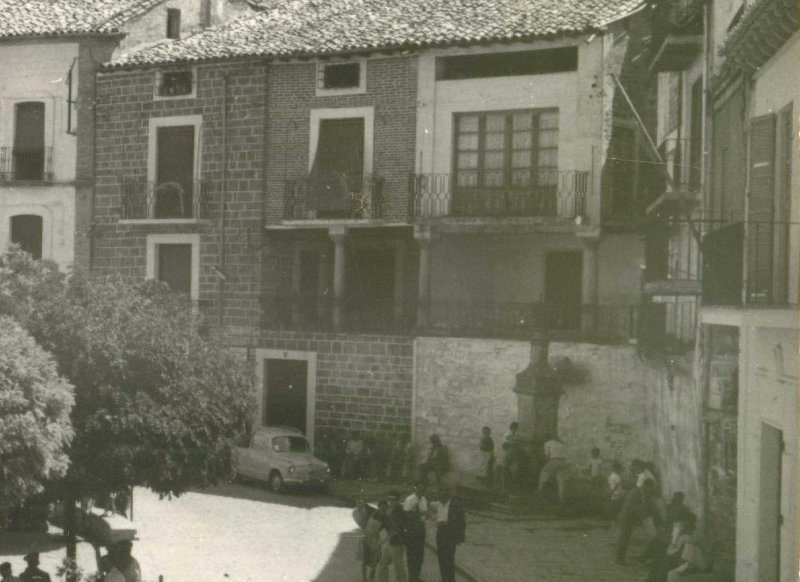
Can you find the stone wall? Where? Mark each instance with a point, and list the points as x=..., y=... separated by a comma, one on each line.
x=463, y=384
x=675, y=421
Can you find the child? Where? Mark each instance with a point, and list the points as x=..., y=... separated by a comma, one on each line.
x=615, y=491
x=486, y=447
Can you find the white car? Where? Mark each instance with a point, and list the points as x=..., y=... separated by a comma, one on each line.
x=281, y=457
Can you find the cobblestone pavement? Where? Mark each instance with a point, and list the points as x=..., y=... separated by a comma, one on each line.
x=503, y=548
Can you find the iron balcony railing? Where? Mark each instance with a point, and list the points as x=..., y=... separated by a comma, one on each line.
x=168, y=200
x=602, y=323
x=35, y=165
x=553, y=193
x=343, y=196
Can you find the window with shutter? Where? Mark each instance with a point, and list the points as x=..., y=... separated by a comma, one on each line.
x=760, y=228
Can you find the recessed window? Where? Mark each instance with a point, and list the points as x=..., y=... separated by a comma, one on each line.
x=175, y=83
x=173, y=23
x=175, y=267
x=507, y=64
x=26, y=231
x=340, y=76
x=29, y=159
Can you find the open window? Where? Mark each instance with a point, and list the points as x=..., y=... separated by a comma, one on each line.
x=178, y=83
x=337, y=175
x=174, y=259
x=29, y=160
x=27, y=231
x=173, y=23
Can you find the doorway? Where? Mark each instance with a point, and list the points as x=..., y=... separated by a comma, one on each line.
x=563, y=289
x=285, y=393
x=769, y=505
x=175, y=172
x=338, y=171
x=371, y=288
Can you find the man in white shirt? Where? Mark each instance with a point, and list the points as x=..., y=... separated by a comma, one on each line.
x=415, y=507
x=556, y=466
x=450, y=531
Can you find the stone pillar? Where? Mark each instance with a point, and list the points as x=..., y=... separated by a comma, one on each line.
x=591, y=285
x=538, y=393
x=422, y=234
x=337, y=234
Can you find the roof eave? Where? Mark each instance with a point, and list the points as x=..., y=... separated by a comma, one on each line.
x=388, y=48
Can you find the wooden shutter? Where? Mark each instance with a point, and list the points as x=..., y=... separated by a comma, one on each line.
x=760, y=230
x=783, y=205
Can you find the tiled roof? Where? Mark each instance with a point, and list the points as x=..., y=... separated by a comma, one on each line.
x=318, y=27
x=67, y=17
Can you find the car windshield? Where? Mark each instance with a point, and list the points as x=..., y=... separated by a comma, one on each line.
x=290, y=444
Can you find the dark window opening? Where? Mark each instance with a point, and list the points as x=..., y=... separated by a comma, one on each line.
x=175, y=83
x=173, y=23
x=26, y=231
x=174, y=189
x=29, y=151
x=175, y=267
x=343, y=76
x=337, y=176
x=285, y=393
x=507, y=64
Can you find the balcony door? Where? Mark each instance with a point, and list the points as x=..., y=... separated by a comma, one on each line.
x=338, y=169
x=563, y=289
x=29, y=141
x=174, y=187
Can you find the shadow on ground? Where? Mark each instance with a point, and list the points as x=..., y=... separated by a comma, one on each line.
x=256, y=491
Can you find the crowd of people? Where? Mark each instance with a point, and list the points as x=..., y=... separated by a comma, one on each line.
x=395, y=531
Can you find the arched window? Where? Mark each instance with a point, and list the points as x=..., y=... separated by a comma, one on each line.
x=26, y=231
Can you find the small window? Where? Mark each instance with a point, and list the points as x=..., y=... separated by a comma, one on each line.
x=341, y=76
x=173, y=23
x=175, y=83
x=290, y=444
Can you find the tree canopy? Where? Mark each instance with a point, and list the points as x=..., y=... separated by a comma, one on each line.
x=156, y=403
x=35, y=404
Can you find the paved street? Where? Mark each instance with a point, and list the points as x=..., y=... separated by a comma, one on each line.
x=233, y=533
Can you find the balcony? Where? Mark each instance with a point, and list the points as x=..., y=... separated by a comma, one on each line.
x=677, y=34
x=554, y=194
x=143, y=200
x=26, y=165
x=489, y=319
x=344, y=197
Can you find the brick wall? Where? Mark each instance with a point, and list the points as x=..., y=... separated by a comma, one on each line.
x=364, y=382
x=125, y=106
x=391, y=88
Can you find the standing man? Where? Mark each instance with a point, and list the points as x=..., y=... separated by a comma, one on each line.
x=556, y=466
x=32, y=573
x=486, y=447
x=415, y=507
x=451, y=527
x=393, y=551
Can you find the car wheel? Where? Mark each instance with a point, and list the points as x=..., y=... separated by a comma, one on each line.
x=276, y=482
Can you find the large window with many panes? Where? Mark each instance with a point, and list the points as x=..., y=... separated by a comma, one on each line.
x=506, y=149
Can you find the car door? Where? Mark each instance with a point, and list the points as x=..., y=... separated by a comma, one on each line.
x=261, y=456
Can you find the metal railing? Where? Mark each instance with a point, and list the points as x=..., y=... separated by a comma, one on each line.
x=514, y=320
x=344, y=196
x=26, y=165
x=547, y=194
x=168, y=200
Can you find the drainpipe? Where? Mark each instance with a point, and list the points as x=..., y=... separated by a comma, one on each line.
x=222, y=201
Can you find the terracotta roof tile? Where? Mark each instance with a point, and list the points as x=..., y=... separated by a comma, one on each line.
x=67, y=17
x=318, y=27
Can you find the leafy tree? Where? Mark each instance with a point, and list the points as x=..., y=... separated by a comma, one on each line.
x=35, y=404
x=156, y=403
